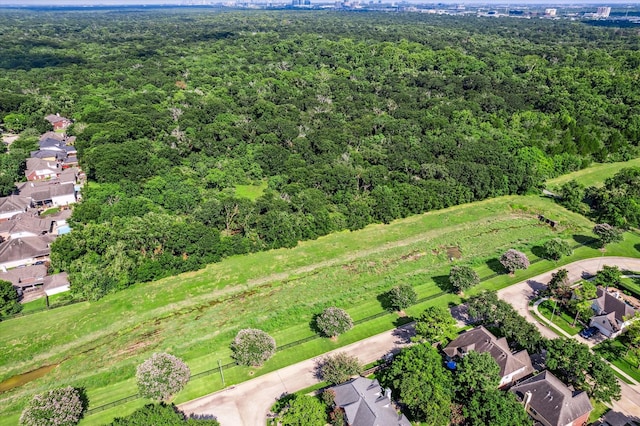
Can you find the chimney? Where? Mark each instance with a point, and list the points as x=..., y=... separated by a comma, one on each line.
x=527, y=400
x=387, y=393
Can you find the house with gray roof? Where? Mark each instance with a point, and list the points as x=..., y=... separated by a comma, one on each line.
x=366, y=403
x=551, y=403
x=612, y=314
x=24, y=251
x=38, y=169
x=25, y=225
x=513, y=366
x=12, y=205
x=25, y=278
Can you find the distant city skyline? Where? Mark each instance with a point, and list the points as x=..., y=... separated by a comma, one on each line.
x=501, y=3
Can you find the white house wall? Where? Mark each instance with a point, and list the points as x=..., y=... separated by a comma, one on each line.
x=63, y=200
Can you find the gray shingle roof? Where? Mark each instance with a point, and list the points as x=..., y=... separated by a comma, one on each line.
x=25, y=277
x=365, y=404
x=552, y=399
x=24, y=248
x=608, y=303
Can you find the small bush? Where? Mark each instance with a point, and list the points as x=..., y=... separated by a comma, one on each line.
x=513, y=260
x=402, y=296
x=252, y=347
x=162, y=376
x=60, y=407
x=333, y=322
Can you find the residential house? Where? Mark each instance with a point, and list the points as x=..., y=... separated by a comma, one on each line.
x=24, y=251
x=52, y=135
x=38, y=169
x=58, y=122
x=513, y=366
x=611, y=313
x=57, y=283
x=25, y=225
x=56, y=195
x=51, y=155
x=12, y=205
x=366, y=403
x=551, y=403
x=25, y=279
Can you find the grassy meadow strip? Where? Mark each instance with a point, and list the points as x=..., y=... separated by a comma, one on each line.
x=195, y=315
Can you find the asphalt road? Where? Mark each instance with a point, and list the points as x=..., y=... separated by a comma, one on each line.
x=519, y=295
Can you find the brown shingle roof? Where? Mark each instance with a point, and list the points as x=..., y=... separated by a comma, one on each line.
x=552, y=399
x=608, y=303
x=479, y=339
x=24, y=248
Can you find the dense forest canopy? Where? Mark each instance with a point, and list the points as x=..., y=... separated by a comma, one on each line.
x=345, y=118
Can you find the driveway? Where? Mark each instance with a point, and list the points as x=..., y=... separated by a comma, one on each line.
x=519, y=295
x=248, y=403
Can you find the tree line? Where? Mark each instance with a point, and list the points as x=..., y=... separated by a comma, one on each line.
x=346, y=119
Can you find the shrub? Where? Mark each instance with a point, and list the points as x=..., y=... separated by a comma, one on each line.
x=607, y=233
x=9, y=300
x=333, y=322
x=555, y=248
x=252, y=347
x=513, y=260
x=402, y=296
x=463, y=277
x=161, y=376
x=60, y=407
x=338, y=368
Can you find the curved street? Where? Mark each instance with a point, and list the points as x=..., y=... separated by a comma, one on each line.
x=249, y=402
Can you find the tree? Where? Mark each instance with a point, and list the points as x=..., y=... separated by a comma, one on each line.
x=252, y=347
x=582, y=301
x=436, y=325
x=607, y=233
x=559, y=286
x=513, y=260
x=162, y=414
x=608, y=276
x=463, y=277
x=162, y=376
x=555, y=248
x=338, y=368
x=476, y=372
x=304, y=410
x=333, y=322
x=9, y=299
x=496, y=408
x=402, y=296
x=632, y=336
x=572, y=194
x=418, y=378
x=576, y=365
x=62, y=407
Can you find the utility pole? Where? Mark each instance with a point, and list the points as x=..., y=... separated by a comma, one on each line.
x=554, y=310
x=221, y=373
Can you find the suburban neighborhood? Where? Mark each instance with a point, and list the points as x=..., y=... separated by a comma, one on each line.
x=37, y=212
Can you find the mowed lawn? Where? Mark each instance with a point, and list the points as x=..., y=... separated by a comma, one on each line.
x=594, y=175
x=195, y=315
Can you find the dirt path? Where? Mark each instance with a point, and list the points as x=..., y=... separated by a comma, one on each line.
x=248, y=403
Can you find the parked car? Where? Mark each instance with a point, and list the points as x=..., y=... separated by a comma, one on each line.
x=589, y=332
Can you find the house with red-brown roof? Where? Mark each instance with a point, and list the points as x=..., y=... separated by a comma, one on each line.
x=513, y=365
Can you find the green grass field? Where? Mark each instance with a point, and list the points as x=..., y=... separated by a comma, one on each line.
x=559, y=317
x=195, y=315
x=251, y=191
x=593, y=175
